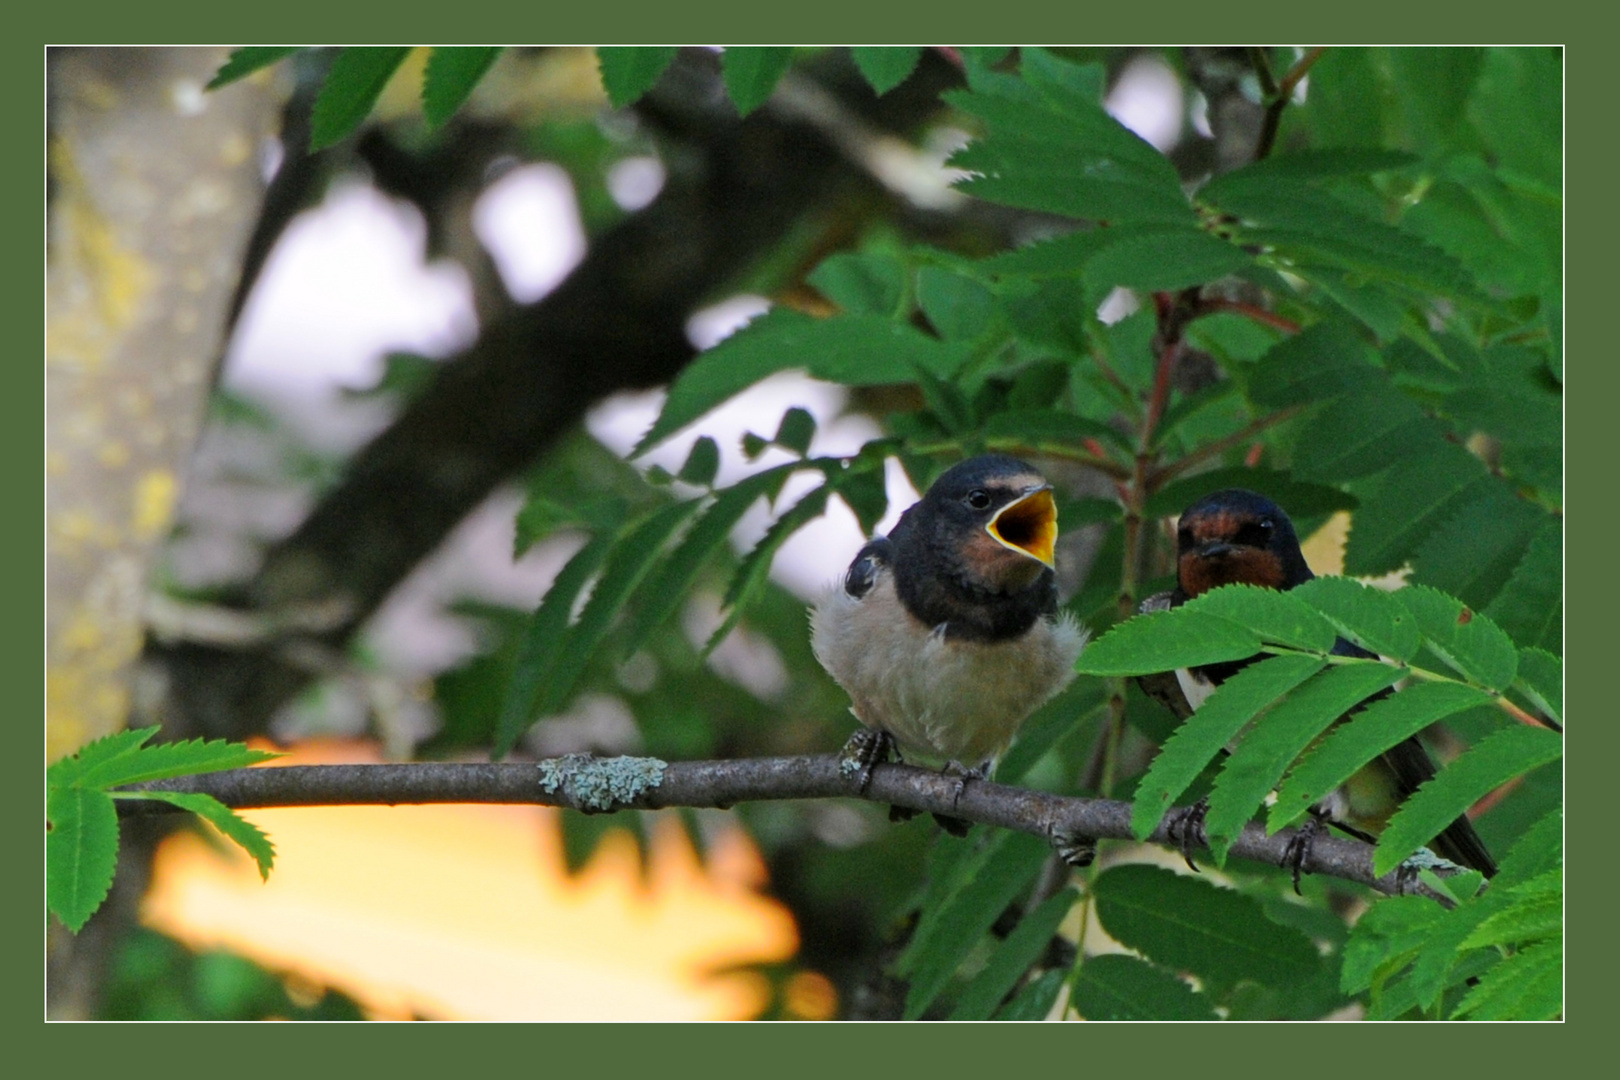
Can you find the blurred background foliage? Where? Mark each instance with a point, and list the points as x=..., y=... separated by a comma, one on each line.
x=1334, y=279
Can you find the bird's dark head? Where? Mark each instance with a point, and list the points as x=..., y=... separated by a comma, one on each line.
x=1237, y=537
x=991, y=520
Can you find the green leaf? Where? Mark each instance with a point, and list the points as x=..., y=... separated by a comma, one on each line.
x=1494, y=761
x=1279, y=737
x=1539, y=848
x=968, y=915
x=1433, y=86
x=1473, y=555
x=630, y=71
x=1207, y=732
x=1118, y=987
x=1530, y=607
x=702, y=462
x=1317, y=164
x=1048, y=427
x=862, y=282
x=81, y=852
x=1386, y=938
x=247, y=835
x=1035, y=1001
x=451, y=75
x=1537, y=911
x=668, y=587
x=537, y=656
x=1369, y=617
x=1166, y=259
x=752, y=72
x=172, y=759
x=796, y=431
x=1278, y=617
x=1166, y=640
x=1380, y=726
x=1361, y=433
x=244, y=62
x=1064, y=255
x=627, y=564
x=856, y=350
x=1302, y=500
x=1529, y=985
x=1541, y=679
x=756, y=565
x=1012, y=958
x=1403, y=505
x=353, y=85
x=886, y=67
x=957, y=306
x=865, y=491
x=1468, y=642
x=1187, y=924
x=1321, y=362
x=99, y=754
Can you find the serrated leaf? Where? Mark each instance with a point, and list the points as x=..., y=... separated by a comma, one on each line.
x=1187, y=924
x=1048, y=427
x=1536, y=911
x=1035, y=1001
x=668, y=586
x=1385, y=940
x=756, y=565
x=1061, y=256
x=1361, y=433
x=1529, y=985
x=166, y=760
x=248, y=836
x=630, y=71
x=968, y=916
x=244, y=62
x=1300, y=499
x=752, y=72
x=1382, y=725
x=353, y=85
x=957, y=306
x=1403, y=505
x=1012, y=958
x=1369, y=617
x=1467, y=641
x=1168, y=259
x=451, y=75
x=796, y=431
x=866, y=493
x=81, y=852
x=1166, y=640
x=630, y=560
x=1278, y=617
x=1321, y=163
x=1207, y=732
x=1279, y=737
x=1323, y=361
x=1530, y=607
x=1472, y=555
x=1539, y=848
x=1541, y=679
x=1495, y=760
x=886, y=67
x=702, y=462
x=1117, y=987
x=98, y=754
x=862, y=282
x=856, y=350
x=537, y=655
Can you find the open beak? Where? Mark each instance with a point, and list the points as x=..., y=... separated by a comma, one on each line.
x=1028, y=525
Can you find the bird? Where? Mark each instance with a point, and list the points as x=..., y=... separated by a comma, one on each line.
x=946, y=633
x=1239, y=537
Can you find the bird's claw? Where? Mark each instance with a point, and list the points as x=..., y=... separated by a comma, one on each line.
x=865, y=749
x=1298, y=851
x=1075, y=850
x=1186, y=828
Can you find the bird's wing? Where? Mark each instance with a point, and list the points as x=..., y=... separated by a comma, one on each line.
x=869, y=562
x=1163, y=686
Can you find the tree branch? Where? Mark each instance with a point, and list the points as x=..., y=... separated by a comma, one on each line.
x=604, y=785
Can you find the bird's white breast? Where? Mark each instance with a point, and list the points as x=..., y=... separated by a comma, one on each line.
x=954, y=699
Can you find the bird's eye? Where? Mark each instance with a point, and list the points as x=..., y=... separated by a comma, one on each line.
x=978, y=498
x=1267, y=525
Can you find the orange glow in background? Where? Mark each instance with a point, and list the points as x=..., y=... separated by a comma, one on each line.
x=467, y=912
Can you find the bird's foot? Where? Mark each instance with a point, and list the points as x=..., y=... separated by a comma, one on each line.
x=866, y=748
x=1186, y=828
x=954, y=825
x=1076, y=850
x=1407, y=874
x=1298, y=851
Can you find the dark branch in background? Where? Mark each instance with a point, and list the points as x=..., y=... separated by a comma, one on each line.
x=592, y=784
x=618, y=322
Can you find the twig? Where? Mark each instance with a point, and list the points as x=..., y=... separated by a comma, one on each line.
x=591, y=784
x=1220, y=446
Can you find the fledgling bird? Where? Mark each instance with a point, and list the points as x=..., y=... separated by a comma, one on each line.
x=946, y=633
x=1238, y=537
